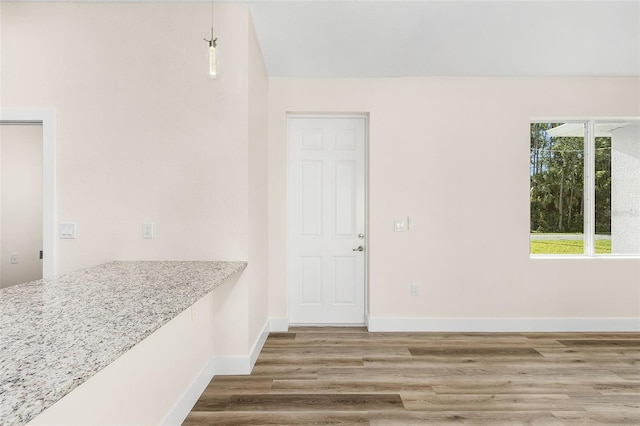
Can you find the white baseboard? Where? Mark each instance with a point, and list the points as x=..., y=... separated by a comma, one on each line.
x=279, y=324
x=259, y=343
x=505, y=324
x=239, y=365
x=188, y=399
x=217, y=366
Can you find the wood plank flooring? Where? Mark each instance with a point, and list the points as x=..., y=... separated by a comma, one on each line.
x=348, y=376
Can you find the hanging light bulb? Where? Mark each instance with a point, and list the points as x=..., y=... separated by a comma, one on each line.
x=212, y=57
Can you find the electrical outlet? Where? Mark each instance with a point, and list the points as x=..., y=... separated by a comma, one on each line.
x=14, y=258
x=147, y=230
x=415, y=289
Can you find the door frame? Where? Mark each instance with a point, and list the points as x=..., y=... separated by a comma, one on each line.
x=290, y=287
x=47, y=118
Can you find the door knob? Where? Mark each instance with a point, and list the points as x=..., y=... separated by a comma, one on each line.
x=360, y=248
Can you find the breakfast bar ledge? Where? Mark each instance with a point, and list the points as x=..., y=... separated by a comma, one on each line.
x=57, y=333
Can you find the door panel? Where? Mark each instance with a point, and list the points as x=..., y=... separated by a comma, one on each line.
x=311, y=280
x=311, y=195
x=325, y=215
x=344, y=200
x=344, y=279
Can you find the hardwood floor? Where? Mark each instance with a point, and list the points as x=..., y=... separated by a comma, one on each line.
x=347, y=376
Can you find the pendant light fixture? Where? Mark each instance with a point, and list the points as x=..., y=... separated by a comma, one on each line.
x=212, y=54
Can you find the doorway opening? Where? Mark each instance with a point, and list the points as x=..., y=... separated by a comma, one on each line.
x=43, y=120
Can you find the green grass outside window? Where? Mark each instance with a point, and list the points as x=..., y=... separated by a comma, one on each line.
x=567, y=247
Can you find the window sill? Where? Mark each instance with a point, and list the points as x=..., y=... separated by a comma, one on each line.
x=583, y=256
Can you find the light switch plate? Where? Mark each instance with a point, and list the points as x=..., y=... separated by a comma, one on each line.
x=14, y=258
x=400, y=225
x=67, y=231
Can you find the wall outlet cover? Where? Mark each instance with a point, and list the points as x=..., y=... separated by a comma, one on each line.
x=415, y=289
x=147, y=230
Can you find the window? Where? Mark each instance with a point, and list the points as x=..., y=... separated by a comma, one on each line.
x=585, y=187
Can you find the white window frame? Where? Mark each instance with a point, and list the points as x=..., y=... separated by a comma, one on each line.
x=589, y=208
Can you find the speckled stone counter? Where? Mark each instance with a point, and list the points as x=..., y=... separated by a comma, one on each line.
x=56, y=333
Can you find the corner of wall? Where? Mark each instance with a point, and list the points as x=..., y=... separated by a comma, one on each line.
x=279, y=324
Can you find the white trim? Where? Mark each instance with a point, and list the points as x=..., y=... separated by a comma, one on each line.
x=505, y=324
x=188, y=399
x=297, y=114
x=367, y=230
x=280, y=324
x=584, y=256
x=47, y=117
x=589, y=191
x=331, y=324
x=259, y=343
x=239, y=365
x=583, y=119
x=217, y=366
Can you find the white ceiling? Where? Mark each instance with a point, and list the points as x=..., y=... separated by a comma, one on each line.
x=448, y=38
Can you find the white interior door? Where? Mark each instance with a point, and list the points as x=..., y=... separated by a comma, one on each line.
x=326, y=220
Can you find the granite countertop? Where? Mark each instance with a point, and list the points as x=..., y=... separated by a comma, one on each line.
x=57, y=332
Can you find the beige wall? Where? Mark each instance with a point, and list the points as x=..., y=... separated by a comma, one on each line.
x=143, y=135
x=21, y=203
x=257, y=196
x=452, y=153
